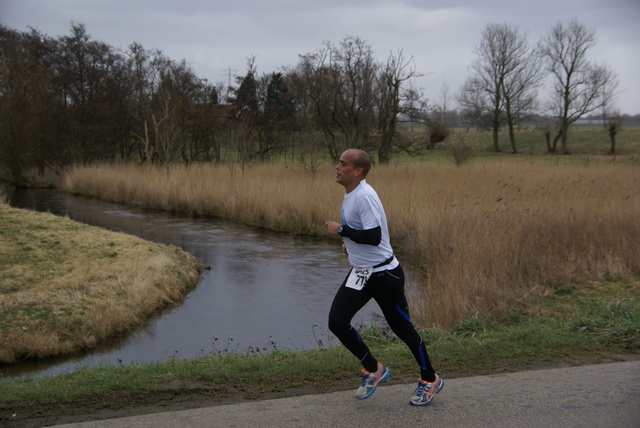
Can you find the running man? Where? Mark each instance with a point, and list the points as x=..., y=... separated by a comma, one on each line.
x=375, y=274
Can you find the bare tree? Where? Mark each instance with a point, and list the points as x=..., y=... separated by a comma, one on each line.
x=390, y=83
x=580, y=87
x=313, y=83
x=502, y=87
x=523, y=77
x=340, y=82
x=168, y=134
x=474, y=104
x=145, y=67
x=414, y=105
x=241, y=139
x=437, y=121
x=489, y=73
x=348, y=95
x=354, y=73
x=310, y=149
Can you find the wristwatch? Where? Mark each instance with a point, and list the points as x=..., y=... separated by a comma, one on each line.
x=339, y=230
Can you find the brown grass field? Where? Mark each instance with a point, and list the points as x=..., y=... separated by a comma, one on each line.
x=66, y=286
x=481, y=237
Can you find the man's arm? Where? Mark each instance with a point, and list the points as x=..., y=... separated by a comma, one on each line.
x=368, y=236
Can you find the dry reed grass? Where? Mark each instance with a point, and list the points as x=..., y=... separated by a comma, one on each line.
x=486, y=235
x=266, y=195
x=66, y=286
x=483, y=236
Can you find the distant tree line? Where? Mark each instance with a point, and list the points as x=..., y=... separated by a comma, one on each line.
x=77, y=100
x=73, y=99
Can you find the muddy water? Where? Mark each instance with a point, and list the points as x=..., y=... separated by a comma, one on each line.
x=264, y=290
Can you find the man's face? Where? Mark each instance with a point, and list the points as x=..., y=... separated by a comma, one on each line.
x=346, y=173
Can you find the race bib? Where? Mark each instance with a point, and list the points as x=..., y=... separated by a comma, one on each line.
x=358, y=277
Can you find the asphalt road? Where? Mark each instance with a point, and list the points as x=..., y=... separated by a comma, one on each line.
x=604, y=395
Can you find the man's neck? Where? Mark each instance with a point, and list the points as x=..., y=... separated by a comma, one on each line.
x=351, y=187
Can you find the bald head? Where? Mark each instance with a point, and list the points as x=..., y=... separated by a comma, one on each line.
x=360, y=159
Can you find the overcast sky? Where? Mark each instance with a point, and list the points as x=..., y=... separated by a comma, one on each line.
x=218, y=36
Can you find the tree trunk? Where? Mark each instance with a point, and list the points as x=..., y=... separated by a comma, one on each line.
x=554, y=146
x=496, y=146
x=547, y=137
x=383, y=155
x=612, y=139
x=512, y=137
x=495, y=125
x=565, y=134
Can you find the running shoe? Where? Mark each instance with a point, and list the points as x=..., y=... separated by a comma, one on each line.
x=426, y=391
x=371, y=380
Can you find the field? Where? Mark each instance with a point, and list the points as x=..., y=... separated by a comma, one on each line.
x=585, y=141
x=485, y=236
x=527, y=261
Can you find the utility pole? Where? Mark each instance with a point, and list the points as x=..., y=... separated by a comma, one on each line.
x=228, y=72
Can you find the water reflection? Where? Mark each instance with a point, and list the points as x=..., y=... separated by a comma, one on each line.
x=263, y=289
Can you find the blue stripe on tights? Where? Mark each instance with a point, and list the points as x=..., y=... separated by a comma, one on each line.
x=423, y=361
x=403, y=313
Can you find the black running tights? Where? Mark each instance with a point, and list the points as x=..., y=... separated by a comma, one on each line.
x=387, y=289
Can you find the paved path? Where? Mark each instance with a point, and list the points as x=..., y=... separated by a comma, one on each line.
x=605, y=395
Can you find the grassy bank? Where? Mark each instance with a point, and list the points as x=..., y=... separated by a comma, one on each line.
x=65, y=286
x=485, y=236
x=591, y=323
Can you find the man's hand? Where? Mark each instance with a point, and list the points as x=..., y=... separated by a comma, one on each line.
x=332, y=227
